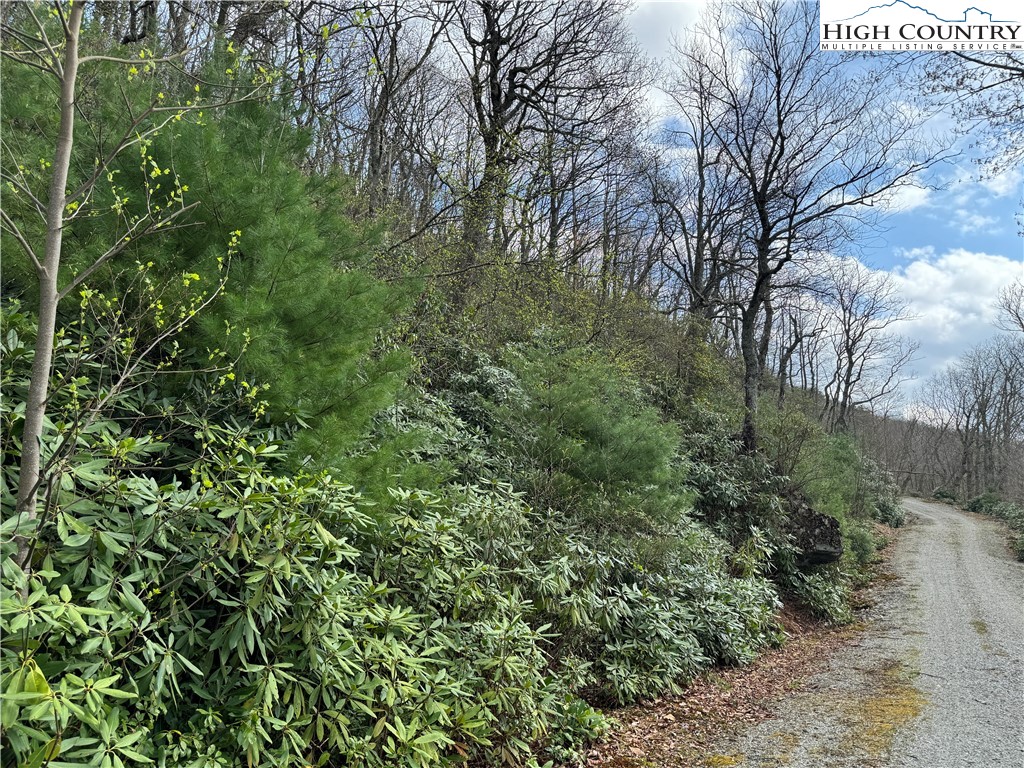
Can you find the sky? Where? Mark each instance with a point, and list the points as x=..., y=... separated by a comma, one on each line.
x=949, y=250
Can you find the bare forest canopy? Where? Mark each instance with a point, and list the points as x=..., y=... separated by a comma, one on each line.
x=520, y=136
x=393, y=383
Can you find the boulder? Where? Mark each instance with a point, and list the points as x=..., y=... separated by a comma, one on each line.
x=815, y=534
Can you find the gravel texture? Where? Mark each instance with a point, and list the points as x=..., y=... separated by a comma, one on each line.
x=936, y=680
x=969, y=603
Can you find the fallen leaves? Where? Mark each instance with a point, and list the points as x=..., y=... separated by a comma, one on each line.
x=678, y=731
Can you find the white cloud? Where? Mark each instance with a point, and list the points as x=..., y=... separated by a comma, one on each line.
x=952, y=301
x=969, y=221
x=908, y=198
x=967, y=190
x=656, y=26
x=656, y=23
x=925, y=253
x=1009, y=182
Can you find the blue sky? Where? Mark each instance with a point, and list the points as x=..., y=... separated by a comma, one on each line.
x=966, y=212
x=948, y=250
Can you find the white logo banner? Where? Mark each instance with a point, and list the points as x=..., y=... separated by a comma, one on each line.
x=922, y=25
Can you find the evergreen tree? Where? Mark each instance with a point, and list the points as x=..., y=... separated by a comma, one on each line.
x=588, y=441
x=301, y=306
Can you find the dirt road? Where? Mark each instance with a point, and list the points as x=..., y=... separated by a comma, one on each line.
x=936, y=681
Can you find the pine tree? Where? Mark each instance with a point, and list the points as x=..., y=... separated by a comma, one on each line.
x=301, y=304
x=588, y=441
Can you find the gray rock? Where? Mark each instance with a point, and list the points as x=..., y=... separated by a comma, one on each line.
x=815, y=534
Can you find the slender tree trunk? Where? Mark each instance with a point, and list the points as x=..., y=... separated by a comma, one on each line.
x=222, y=16
x=482, y=203
x=766, y=335
x=751, y=374
x=783, y=376
x=30, y=478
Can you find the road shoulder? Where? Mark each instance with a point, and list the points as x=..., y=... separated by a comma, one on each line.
x=724, y=715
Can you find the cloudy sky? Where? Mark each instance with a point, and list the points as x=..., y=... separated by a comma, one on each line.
x=950, y=250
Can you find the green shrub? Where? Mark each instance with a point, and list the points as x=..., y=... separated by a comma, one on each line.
x=890, y=513
x=639, y=595
x=843, y=483
x=223, y=609
x=1018, y=547
x=586, y=441
x=734, y=493
x=826, y=592
x=227, y=608
x=944, y=494
x=1010, y=513
x=860, y=541
x=985, y=503
x=883, y=495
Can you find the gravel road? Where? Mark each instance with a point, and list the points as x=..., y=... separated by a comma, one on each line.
x=937, y=678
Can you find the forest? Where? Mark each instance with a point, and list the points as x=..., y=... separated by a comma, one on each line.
x=384, y=384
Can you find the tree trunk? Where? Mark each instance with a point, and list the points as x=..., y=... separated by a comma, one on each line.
x=751, y=374
x=482, y=208
x=30, y=478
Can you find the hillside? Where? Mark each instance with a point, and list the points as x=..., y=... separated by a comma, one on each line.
x=378, y=391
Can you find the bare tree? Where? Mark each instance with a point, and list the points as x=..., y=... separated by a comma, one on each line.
x=869, y=361
x=811, y=174
x=518, y=58
x=977, y=408
x=986, y=93
x=1011, y=303
x=801, y=321
x=700, y=204
x=400, y=39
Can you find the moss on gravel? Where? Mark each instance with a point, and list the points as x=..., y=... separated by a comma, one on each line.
x=879, y=717
x=723, y=761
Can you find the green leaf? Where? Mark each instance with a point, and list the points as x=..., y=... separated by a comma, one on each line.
x=49, y=751
x=78, y=539
x=133, y=602
x=432, y=737
x=131, y=753
x=400, y=729
x=116, y=693
x=35, y=680
x=100, y=593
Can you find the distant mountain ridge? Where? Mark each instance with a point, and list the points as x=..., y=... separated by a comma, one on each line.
x=897, y=3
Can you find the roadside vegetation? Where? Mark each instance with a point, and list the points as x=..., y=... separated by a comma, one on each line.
x=286, y=485
x=1010, y=513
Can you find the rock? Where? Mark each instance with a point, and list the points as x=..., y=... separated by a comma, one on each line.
x=816, y=535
